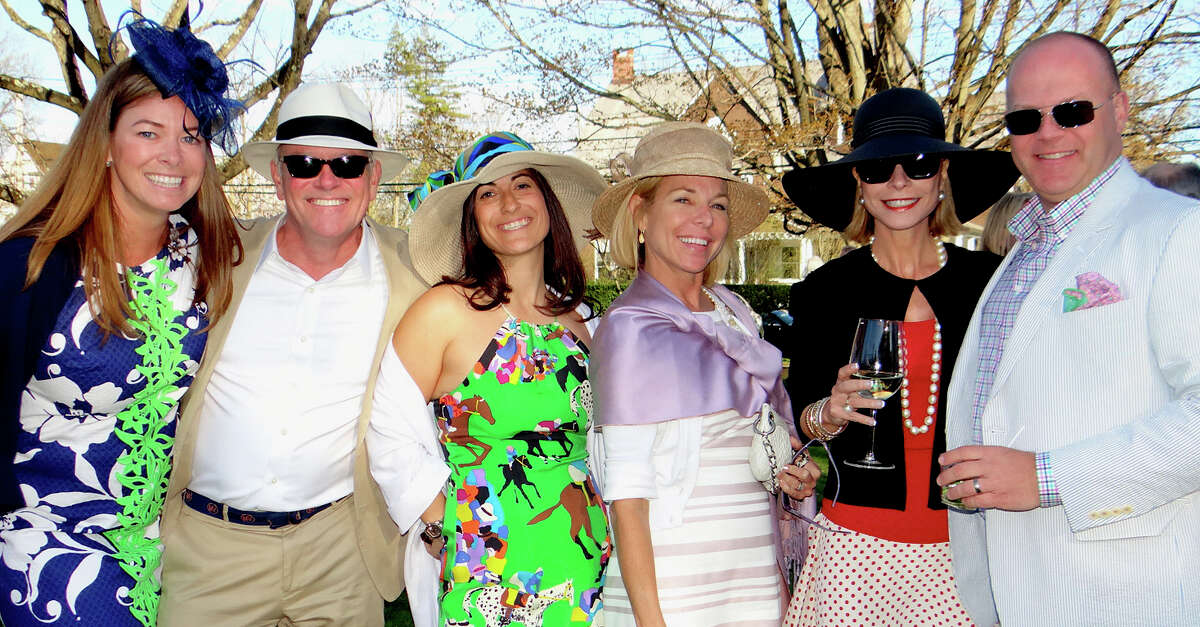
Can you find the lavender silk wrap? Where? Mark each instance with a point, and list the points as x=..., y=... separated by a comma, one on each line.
x=655, y=360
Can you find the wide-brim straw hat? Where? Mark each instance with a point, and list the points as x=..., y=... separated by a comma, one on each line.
x=683, y=148
x=326, y=115
x=435, y=232
x=896, y=123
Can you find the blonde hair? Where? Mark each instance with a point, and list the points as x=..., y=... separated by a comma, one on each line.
x=996, y=237
x=74, y=202
x=629, y=254
x=944, y=220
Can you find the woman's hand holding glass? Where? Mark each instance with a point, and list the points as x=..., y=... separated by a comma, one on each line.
x=845, y=399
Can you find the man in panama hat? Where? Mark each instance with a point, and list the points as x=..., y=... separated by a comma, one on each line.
x=272, y=516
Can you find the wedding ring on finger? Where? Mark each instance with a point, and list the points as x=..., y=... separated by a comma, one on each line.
x=978, y=490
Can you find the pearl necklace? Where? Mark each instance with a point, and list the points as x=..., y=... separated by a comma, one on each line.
x=935, y=361
x=941, y=253
x=723, y=312
x=935, y=367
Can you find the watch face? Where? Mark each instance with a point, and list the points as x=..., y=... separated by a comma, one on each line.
x=432, y=531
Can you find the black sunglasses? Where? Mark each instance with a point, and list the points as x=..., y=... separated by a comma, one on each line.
x=915, y=167
x=1066, y=115
x=343, y=167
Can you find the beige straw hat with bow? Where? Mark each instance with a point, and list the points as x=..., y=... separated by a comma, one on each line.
x=682, y=148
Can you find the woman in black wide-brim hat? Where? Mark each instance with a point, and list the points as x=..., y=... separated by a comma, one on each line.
x=899, y=191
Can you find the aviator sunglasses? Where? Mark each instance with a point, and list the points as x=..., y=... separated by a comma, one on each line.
x=1066, y=115
x=343, y=167
x=915, y=167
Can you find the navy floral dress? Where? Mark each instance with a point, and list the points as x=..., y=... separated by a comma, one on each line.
x=94, y=453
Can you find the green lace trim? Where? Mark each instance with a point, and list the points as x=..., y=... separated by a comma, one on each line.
x=146, y=463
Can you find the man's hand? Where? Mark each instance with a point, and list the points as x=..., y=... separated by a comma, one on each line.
x=1005, y=478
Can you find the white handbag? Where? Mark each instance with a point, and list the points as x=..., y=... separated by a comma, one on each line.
x=771, y=449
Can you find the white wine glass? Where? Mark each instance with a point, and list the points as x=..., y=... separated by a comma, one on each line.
x=878, y=351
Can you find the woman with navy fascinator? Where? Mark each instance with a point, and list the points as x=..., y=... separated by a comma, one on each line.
x=110, y=274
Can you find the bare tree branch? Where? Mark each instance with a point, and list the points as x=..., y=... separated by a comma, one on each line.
x=77, y=57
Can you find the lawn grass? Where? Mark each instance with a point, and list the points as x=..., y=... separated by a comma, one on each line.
x=396, y=614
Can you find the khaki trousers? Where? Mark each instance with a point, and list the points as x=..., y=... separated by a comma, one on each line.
x=221, y=574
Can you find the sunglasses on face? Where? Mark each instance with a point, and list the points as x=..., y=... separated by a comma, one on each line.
x=1065, y=115
x=343, y=167
x=915, y=167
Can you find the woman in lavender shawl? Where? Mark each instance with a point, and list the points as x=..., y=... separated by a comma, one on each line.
x=679, y=374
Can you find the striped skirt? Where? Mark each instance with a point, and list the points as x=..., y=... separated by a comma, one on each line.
x=718, y=567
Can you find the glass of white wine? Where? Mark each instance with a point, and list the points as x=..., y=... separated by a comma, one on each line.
x=877, y=350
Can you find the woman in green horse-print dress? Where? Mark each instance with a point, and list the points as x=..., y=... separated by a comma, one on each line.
x=499, y=345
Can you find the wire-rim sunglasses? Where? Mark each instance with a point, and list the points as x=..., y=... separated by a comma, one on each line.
x=343, y=167
x=916, y=167
x=1070, y=114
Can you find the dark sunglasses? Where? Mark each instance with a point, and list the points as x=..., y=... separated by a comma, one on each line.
x=343, y=167
x=915, y=167
x=1066, y=115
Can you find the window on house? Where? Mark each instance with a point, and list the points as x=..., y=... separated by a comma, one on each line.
x=791, y=260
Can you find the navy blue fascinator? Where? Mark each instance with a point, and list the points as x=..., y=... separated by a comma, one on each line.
x=181, y=64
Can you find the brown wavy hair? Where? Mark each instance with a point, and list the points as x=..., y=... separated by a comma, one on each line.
x=74, y=203
x=483, y=276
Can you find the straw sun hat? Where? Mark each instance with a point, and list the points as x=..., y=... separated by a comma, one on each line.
x=896, y=123
x=435, y=233
x=683, y=148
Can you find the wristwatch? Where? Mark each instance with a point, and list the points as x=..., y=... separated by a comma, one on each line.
x=432, y=532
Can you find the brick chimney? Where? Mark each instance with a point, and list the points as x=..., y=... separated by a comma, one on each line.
x=622, y=64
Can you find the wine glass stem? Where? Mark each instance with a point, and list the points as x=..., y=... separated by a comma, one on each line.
x=871, y=451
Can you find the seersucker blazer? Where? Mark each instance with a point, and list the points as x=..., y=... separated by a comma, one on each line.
x=378, y=538
x=1113, y=394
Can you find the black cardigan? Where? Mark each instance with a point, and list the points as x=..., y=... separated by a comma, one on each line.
x=825, y=308
x=27, y=318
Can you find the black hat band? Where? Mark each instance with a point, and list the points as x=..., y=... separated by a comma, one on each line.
x=900, y=125
x=325, y=125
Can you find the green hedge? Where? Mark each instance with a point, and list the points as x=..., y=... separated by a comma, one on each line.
x=604, y=294
x=762, y=298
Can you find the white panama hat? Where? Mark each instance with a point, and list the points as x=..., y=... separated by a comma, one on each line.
x=326, y=115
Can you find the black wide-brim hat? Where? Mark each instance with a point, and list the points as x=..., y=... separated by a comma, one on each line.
x=896, y=123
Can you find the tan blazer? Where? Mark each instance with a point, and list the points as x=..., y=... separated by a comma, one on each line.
x=378, y=538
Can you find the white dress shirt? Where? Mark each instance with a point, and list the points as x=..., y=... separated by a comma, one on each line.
x=277, y=428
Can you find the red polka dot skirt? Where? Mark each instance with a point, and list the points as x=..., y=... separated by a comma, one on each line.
x=857, y=580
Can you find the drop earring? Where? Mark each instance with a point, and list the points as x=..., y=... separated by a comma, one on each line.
x=108, y=164
x=641, y=238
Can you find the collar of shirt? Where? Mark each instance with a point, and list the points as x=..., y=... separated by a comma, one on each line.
x=360, y=259
x=1033, y=224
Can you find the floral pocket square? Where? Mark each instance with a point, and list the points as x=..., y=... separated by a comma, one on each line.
x=1091, y=290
